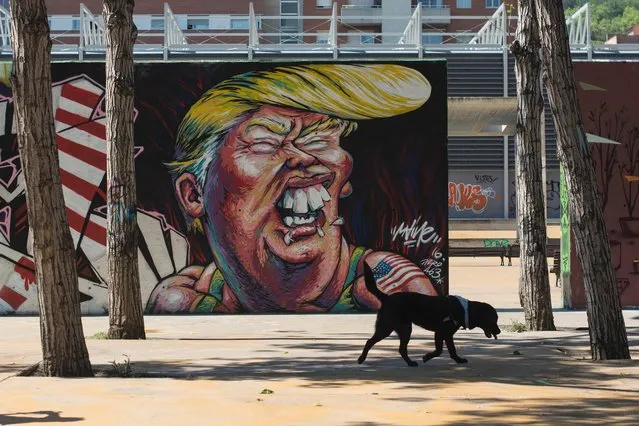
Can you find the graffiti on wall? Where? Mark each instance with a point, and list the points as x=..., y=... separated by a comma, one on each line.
x=255, y=185
x=609, y=109
x=553, y=195
x=474, y=194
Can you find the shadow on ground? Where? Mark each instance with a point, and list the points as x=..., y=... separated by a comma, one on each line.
x=538, y=361
x=578, y=411
x=36, y=417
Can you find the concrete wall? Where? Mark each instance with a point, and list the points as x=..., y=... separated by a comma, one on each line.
x=479, y=194
x=476, y=194
x=222, y=237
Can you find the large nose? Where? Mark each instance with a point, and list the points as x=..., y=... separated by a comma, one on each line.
x=298, y=158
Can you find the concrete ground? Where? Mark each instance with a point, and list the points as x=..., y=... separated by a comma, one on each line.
x=221, y=370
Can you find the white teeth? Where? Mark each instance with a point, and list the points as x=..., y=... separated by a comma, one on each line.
x=315, y=199
x=320, y=231
x=297, y=220
x=338, y=221
x=288, y=239
x=300, y=204
x=288, y=200
x=324, y=194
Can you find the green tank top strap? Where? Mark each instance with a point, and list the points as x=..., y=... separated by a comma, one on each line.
x=353, y=263
x=214, y=297
x=346, y=301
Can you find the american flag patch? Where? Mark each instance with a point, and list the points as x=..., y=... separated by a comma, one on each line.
x=395, y=271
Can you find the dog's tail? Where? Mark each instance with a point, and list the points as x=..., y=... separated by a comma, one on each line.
x=371, y=284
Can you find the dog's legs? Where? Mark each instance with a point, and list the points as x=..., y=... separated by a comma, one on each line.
x=404, y=331
x=439, y=345
x=453, y=352
x=381, y=332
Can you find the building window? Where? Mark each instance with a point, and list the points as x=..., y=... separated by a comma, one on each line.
x=289, y=24
x=197, y=23
x=75, y=23
x=324, y=4
x=367, y=39
x=432, y=39
x=289, y=7
x=464, y=4
x=157, y=23
x=462, y=37
x=433, y=4
x=239, y=23
x=322, y=37
x=493, y=4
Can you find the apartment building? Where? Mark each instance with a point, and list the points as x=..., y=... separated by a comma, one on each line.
x=284, y=21
x=444, y=21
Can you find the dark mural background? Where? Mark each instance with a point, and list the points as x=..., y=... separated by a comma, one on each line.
x=399, y=178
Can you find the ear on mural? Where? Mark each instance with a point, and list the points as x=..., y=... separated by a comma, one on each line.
x=346, y=191
x=189, y=193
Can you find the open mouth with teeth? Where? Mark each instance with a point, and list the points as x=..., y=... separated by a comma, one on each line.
x=301, y=210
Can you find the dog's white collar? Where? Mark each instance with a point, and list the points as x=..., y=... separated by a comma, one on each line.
x=464, y=304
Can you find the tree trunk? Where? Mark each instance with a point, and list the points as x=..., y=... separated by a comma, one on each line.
x=534, y=285
x=608, y=339
x=126, y=320
x=64, y=351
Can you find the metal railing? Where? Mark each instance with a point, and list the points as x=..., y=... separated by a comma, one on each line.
x=91, y=32
x=173, y=35
x=578, y=26
x=5, y=27
x=326, y=34
x=495, y=30
x=413, y=32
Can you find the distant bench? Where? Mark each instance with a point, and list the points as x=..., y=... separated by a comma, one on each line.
x=502, y=248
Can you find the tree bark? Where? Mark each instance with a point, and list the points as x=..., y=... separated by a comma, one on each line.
x=126, y=319
x=534, y=285
x=608, y=339
x=64, y=351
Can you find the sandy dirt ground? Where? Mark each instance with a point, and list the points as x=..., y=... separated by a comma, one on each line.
x=302, y=370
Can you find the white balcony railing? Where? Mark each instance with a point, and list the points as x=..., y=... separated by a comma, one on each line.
x=326, y=34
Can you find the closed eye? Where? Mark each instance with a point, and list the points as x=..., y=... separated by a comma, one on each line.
x=316, y=144
x=264, y=146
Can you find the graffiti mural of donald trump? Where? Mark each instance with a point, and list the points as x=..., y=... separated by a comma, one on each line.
x=259, y=169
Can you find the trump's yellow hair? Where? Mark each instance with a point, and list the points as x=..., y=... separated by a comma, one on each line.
x=340, y=91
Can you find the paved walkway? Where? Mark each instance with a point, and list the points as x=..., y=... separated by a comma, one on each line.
x=214, y=370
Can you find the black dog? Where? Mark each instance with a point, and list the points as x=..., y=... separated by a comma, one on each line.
x=441, y=314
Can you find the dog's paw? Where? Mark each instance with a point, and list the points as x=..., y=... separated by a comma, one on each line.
x=412, y=364
x=462, y=361
x=426, y=358
x=360, y=359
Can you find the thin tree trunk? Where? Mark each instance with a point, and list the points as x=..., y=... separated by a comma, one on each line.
x=534, y=285
x=126, y=320
x=64, y=351
x=608, y=339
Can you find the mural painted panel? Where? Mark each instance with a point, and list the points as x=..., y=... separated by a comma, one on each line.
x=476, y=194
x=262, y=187
x=608, y=94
